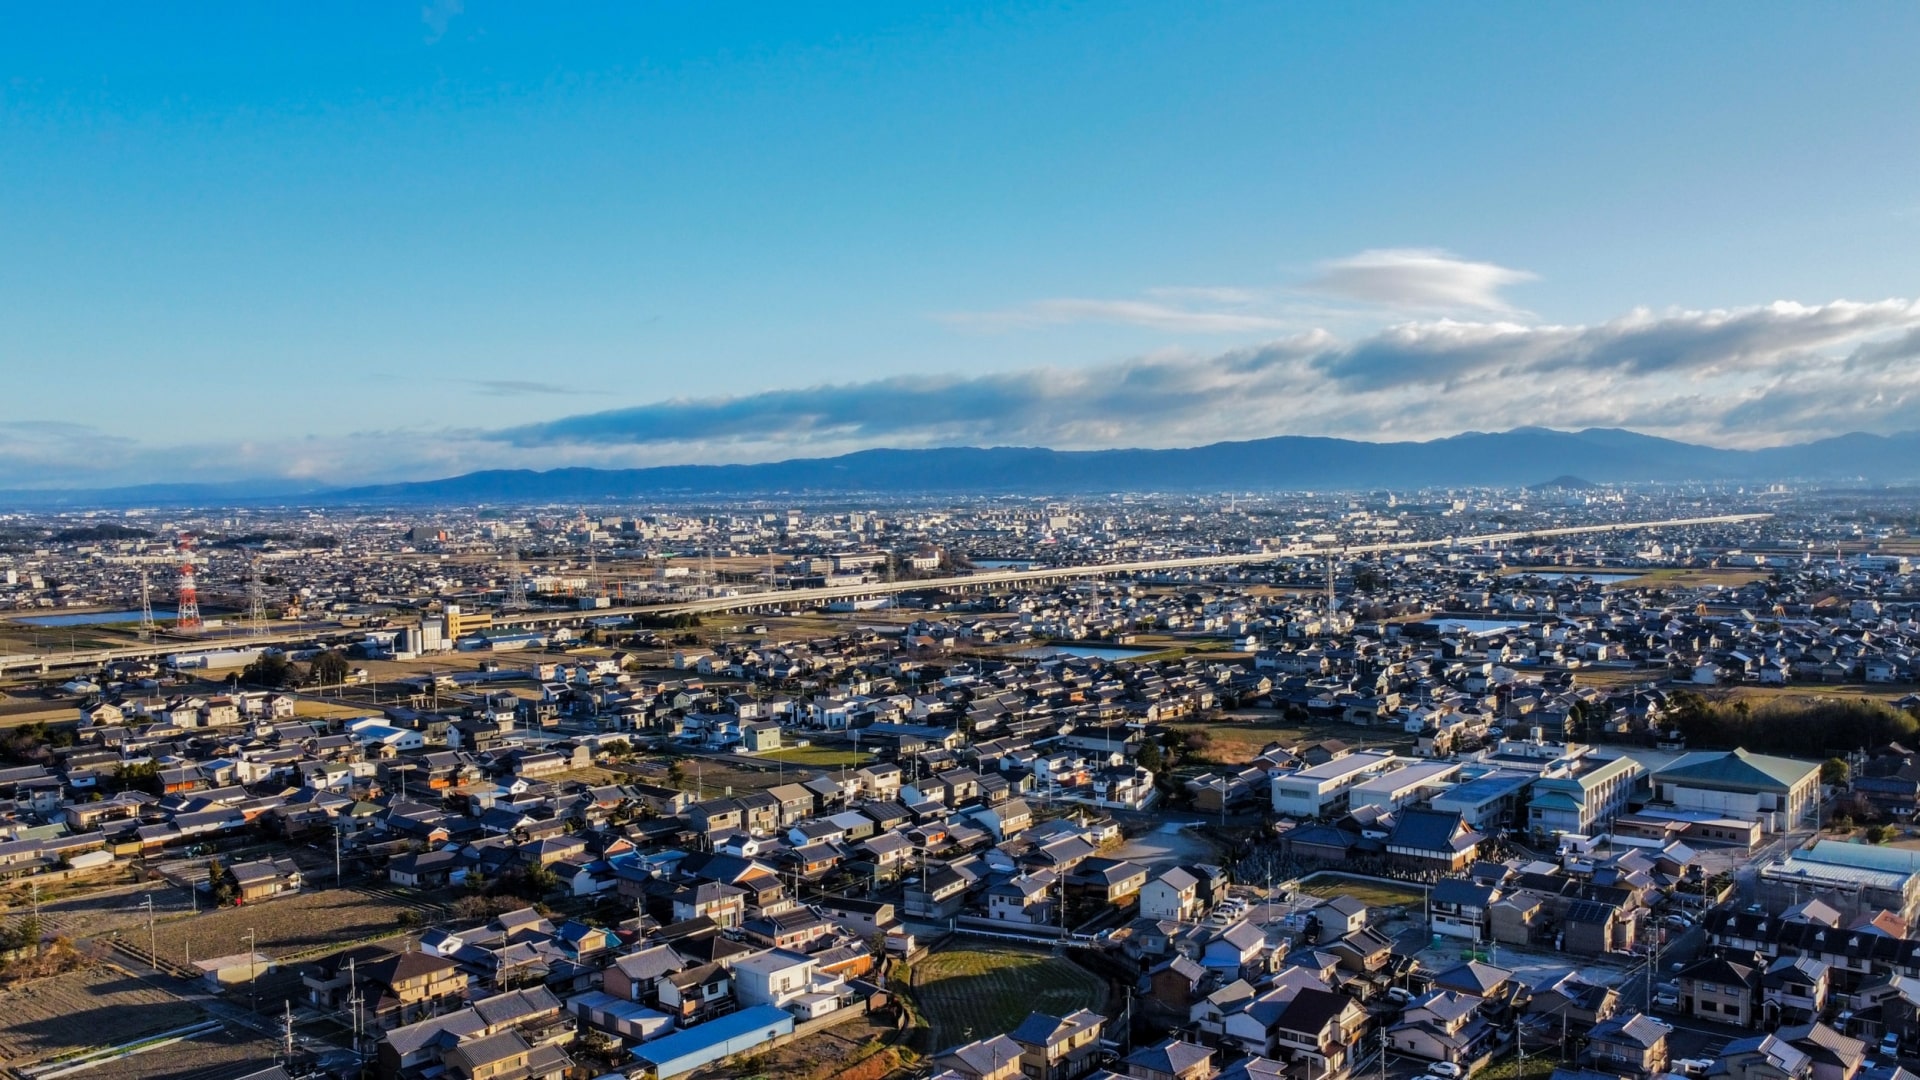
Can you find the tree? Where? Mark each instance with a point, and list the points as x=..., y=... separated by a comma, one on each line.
x=1835, y=771
x=330, y=668
x=1149, y=757
x=219, y=886
x=677, y=775
x=1878, y=834
x=139, y=776
x=540, y=880
x=617, y=748
x=270, y=670
x=23, y=936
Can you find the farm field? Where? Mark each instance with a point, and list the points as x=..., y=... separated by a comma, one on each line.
x=1369, y=892
x=820, y=757
x=1688, y=577
x=1239, y=736
x=1618, y=677
x=99, y=1006
x=219, y=1055
x=973, y=992
x=306, y=923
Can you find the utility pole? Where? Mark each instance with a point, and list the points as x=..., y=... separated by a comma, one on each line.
x=336, y=853
x=153, y=947
x=1653, y=968
x=353, y=1003
x=253, y=1002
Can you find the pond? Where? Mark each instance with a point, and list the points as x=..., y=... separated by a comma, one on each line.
x=1086, y=652
x=1474, y=626
x=80, y=618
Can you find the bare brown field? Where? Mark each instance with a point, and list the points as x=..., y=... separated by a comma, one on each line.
x=223, y=1053
x=100, y=1006
x=1239, y=736
x=307, y=923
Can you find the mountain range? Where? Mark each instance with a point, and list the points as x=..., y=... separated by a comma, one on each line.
x=1521, y=457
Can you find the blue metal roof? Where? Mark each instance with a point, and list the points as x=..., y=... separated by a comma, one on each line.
x=698, y=1038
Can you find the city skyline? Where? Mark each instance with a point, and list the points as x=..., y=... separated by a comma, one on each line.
x=377, y=244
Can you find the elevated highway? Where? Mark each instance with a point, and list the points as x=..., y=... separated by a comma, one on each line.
x=784, y=598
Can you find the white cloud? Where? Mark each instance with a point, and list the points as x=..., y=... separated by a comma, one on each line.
x=1758, y=376
x=1420, y=279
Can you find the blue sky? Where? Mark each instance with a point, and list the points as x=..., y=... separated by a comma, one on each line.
x=349, y=242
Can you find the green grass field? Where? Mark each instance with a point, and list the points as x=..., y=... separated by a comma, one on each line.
x=1369, y=892
x=819, y=757
x=973, y=992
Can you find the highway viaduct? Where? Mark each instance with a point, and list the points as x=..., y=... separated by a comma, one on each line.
x=785, y=598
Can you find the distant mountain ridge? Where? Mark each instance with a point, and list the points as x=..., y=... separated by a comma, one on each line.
x=1518, y=458
x=1501, y=459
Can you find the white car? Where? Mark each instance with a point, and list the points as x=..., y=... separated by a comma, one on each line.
x=1444, y=1068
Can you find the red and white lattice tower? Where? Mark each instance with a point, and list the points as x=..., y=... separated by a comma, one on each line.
x=189, y=617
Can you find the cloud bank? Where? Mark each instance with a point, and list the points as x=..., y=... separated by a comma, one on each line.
x=1757, y=376
x=1704, y=375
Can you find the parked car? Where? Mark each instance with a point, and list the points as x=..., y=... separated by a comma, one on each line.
x=1444, y=1068
x=1399, y=995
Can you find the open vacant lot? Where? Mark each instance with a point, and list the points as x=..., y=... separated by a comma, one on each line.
x=100, y=1006
x=973, y=992
x=1239, y=736
x=1366, y=890
x=302, y=924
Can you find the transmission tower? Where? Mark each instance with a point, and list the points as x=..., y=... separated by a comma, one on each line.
x=188, y=621
x=256, y=597
x=146, y=603
x=516, y=585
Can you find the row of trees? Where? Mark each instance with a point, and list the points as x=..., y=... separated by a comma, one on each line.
x=273, y=671
x=1797, y=727
x=33, y=744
